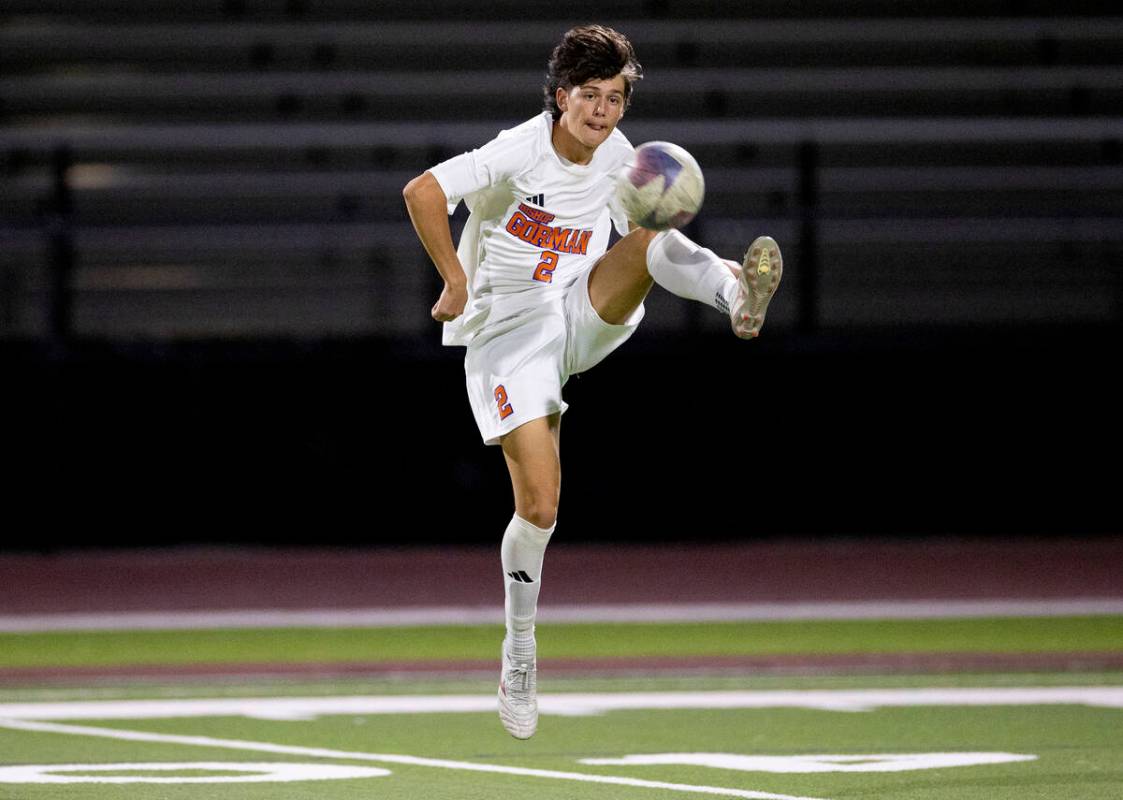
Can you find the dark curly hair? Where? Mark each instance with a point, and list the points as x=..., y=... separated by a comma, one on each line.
x=590, y=52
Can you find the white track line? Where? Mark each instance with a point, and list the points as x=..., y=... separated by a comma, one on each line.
x=489, y=615
x=316, y=752
x=565, y=703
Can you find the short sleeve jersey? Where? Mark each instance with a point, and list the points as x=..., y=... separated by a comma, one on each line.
x=537, y=220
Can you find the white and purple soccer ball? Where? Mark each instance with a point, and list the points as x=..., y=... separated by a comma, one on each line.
x=661, y=186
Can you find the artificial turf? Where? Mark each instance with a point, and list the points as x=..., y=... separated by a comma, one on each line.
x=592, y=640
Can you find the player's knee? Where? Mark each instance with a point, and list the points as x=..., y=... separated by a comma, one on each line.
x=643, y=236
x=540, y=510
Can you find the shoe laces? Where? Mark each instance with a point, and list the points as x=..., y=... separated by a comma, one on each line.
x=519, y=677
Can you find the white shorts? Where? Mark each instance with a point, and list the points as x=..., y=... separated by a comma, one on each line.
x=515, y=369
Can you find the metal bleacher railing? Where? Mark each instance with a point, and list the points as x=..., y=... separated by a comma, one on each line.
x=238, y=171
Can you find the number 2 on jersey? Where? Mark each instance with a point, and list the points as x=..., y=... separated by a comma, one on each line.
x=545, y=270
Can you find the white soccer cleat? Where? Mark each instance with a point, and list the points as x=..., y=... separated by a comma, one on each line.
x=518, y=695
x=760, y=277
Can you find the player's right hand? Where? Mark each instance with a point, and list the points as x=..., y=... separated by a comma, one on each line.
x=450, y=304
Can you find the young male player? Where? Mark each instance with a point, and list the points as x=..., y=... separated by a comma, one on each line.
x=535, y=295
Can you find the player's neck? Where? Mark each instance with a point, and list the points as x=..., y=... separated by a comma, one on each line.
x=569, y=147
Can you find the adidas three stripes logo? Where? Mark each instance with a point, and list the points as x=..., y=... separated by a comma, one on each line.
x=520, y=576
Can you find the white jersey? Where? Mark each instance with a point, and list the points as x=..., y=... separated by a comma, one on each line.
x=537, y=221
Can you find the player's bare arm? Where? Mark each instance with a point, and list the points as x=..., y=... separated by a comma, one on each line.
x=428, y=210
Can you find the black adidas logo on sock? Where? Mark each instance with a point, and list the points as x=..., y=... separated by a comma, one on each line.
x=520, y=576
x=722, y=303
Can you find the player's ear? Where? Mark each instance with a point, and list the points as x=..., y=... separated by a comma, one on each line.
x=561, y=97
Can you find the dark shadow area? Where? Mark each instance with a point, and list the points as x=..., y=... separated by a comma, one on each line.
x=965, y=432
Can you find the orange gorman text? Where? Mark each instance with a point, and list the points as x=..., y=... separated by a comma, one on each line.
x=560, y=240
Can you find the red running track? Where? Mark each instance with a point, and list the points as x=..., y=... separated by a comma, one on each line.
x=246, y=578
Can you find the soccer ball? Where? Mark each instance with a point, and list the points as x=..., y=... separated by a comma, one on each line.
x=661, y=186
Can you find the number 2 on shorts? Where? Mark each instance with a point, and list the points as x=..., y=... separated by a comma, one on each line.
x=545, y=270
x=505, y=409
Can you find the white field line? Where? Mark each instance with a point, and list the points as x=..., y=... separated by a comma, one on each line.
x=317, y=752
x=565, y=704
x=246, y=772
x=493, y=615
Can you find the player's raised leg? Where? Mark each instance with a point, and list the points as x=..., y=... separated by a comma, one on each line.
x=620, y=280
x=532, y=452
x=689, y=270
x=623, y=277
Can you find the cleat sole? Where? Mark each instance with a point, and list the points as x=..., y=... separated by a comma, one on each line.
x=761, y=271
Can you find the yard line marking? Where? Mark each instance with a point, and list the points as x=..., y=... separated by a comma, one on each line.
x=624, y=612
x=567, y=704
x=849, y=762
x=417, y=761
x=250, y=772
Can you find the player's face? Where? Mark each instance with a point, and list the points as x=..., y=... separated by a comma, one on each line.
x=591, y=111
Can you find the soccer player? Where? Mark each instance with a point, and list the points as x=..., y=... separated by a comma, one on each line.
x=536, y=295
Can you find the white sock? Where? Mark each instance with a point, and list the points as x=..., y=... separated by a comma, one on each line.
x=689, y=270
x=524, y=546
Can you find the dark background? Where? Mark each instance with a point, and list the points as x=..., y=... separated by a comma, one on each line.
x=214, y=313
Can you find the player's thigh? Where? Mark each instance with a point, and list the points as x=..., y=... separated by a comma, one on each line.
x=589, y=337
x=533, y=455
x=620, y=281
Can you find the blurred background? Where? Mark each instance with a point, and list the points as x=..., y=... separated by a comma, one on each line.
x=214, y=313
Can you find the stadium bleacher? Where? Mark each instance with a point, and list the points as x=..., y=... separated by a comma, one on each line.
x=210, y=168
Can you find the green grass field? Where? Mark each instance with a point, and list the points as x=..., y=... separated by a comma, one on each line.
x=1054, y=735
x=289, y=645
